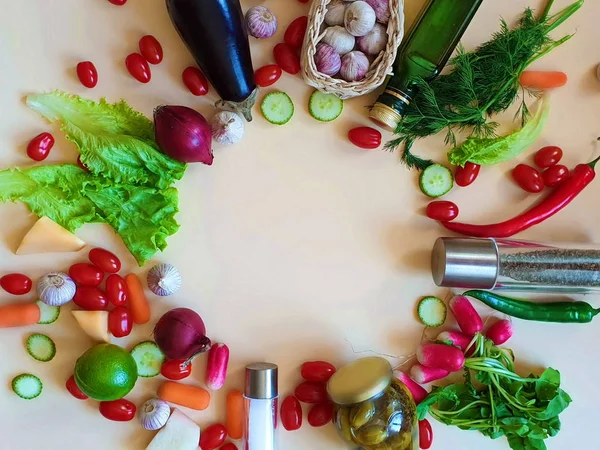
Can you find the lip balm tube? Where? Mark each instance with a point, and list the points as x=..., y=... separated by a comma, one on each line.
x=261, y=398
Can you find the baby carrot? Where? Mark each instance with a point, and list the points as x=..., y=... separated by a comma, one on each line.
x=138, y=303
x=235, y=414
x=19, y=315
x=543, y=80
x=184, y=395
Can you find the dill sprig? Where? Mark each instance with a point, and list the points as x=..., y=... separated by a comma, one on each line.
x=480, y=84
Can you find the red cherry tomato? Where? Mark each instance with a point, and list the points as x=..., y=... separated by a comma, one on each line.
x=213, y=436
x=291, y=413
x=365, y=137
x=118, y=2
x=82, y=165
x=90, y=298
x=151, y=49
x=425, y=434
x=86, y=274
x=286, y=58
x=303, y=1
x=465, y=176
x=294, y=35
x=87, y=74
x=229, y=446
x=195, y=81
x=16, y=283
x=176, y=369
x=116, y=290
x=74, y=389
x=555, y=175
x=311, y=392
x=442, y=210
x=39, y=147
x=138, y=68
x=105, y=260
x=318, y=371
x=548, y=156
x=528, y=178
x=120, y=322
x=320, y=415
x=118, y=410
x=267, y=75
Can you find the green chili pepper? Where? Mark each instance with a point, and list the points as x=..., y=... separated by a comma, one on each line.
x=561, y=312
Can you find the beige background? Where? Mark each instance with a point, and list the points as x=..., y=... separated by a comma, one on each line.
x=294, y=245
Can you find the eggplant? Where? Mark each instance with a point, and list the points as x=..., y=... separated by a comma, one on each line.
x=216, y=35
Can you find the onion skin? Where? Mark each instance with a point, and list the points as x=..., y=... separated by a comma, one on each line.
x=181, y=334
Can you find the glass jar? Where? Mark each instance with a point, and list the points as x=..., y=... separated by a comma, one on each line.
x=373, y=409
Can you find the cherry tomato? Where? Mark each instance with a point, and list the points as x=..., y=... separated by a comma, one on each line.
x=528, y=178
x=116, y=290
x=82, y=165
x=86, y=274
x=304, y=1
x=151, y=49
x=120, y=322
x=118, y=2
x=320, y=415
x=213, y=436
x=548, y=156
x=138, y=67
x=16, y=283
x=229, y=446
x=291, y=413
x=74, y=389
x=105, y=260
x=195, y=81
x=90, y=298
x=443, y=211
x=267, y=75
x=425, y=434
x=555, y=175
x=294, y=35
x=118, y=410
x=39, y=147
x=176, y=369
x=311, y=392
x=465, y=176
x=318, y=371
x=87, y=74
x=286, y=57
x=365, y=137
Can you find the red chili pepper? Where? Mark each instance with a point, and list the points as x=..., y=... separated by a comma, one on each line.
x=563, y=195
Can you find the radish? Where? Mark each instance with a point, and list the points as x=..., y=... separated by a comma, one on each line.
x=418, y=392
x=216, y=367
x=500, y=332
x=424, y=375
x=456, y=338
x=441, y=356
x=468, y=319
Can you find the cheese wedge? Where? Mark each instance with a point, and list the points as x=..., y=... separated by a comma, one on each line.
x=47, y=236
x=94, y=323
x=180, y=433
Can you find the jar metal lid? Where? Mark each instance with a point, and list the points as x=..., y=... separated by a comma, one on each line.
x=360, y=380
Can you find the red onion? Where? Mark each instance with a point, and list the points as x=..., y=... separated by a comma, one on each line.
x=183, y=134
x=181, y=334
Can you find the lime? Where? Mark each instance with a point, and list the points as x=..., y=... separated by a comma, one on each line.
x=106, y=372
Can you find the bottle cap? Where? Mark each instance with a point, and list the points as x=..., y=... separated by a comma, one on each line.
x=465, y=263
x=360, y=380
x=385, y=116
x=261, y=381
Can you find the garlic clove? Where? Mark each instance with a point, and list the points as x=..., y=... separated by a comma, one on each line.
x=359, y=18
x=382, y=10
x=164, y=280
x=227, y=127
x=154, y=414
x=355, y=66
x=374, y=41
x=335, y=13
x=342, y=41
x=261, y=22
x=56, y=289
x=327, y=60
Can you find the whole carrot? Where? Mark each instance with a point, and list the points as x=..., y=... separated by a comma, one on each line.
x=235, y=414
x=542, y=80
x=184, y=395
x=138, y=303
x=19, y=315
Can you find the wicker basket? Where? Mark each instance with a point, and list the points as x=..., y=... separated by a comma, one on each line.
x=380, y=67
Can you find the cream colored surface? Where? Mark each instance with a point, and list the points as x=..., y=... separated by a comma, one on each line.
x=295, y=245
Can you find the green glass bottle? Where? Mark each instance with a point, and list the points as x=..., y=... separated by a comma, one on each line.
x=423, y=54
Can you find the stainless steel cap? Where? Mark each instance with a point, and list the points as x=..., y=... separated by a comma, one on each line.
x=261, y=381
x=465, y=263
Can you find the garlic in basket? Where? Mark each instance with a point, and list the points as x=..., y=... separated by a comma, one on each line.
x=374, y=41
x=381, y=8
x=359, y=18
x=342, y=41
x=354, y=66
x=327, y=60
x=227, y=127
x=164, y=279
x=335, y=13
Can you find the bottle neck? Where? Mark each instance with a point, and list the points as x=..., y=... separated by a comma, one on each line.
x=391, y=106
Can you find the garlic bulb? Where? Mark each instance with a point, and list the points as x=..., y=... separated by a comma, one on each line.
x=335, y=13
x=354, y=66
x=261, y=22
x=373, y=42
x=56, y=289
x=327, y=60
x=227, y=127
x=342, y=41
x=154, y=414
x=359, y=18
x=164, y=279
x=381, y=8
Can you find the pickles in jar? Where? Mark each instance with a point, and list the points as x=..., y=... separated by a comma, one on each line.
x=372, y=435
x=343, y=424
x=362, y=414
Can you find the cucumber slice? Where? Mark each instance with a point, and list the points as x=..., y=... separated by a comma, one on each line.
x=149, y=359
x=432, y=311
x=27, y=386
x=277, y=107
x=325, y=107
x=436, y=180
x=48, y=314
x=40, y=347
